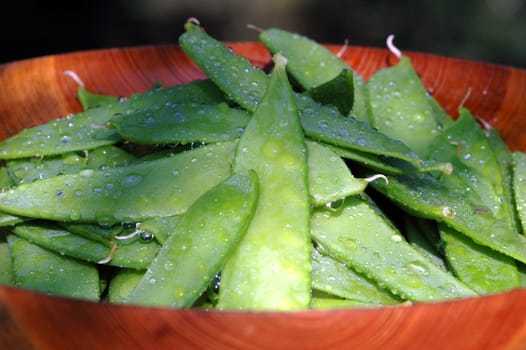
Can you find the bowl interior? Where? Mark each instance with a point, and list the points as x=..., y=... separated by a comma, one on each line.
x=36, y=90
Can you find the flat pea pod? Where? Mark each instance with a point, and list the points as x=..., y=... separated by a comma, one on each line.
x=246, y=85
x=336, y=303
x=182, y=123
x=40, y=270
x=196, y=251
x=6, y=268
x=465, y=145
x=122, y=284
x=309, y=63
x=400, y=106
x=384, y=255
x=418, y=235
x=504, y=158
x=90, y=99
x=270, y=269
x=160, y=227
x=329, y=177
x=88, y=130
x=519, y=185
x=481, y=268
x=425, y=196
x=132, y=193
x=132, y=254
x=312, y=66
x=336, y=278
x=103, y=234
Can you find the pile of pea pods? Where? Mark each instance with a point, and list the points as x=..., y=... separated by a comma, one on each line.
x=300, y=187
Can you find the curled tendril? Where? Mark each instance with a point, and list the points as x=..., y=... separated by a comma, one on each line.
x=110, y=255
x=394, y=50
x=377, y=176
x=74, y=76
x=254, y=27
x=344, y=48
x=193, y=20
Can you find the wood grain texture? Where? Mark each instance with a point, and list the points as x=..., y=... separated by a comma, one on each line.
x=36, y=90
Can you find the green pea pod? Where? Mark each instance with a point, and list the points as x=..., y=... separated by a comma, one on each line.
x=246, y=85
x=416, y=235
x=505, y=160
x=316, y=69
x=400, y=106
x=6, y=181
x=270, y=270
x=38, y=269
x=483, y=269
x=336, y=278
x=90, y=99
x=122, y=284
x=360, y=237
x=196, y=251
x=333, y=303
x=130, y=254
x=132, y=193
x=465, y=145
x=103, y=234
x=160, y=227
x=425, y=196
x=519, y=185
x=329, y=177
x=182, y=123
x=88, y=130
x=6, y=267
x=361, y=108
x=309, y=63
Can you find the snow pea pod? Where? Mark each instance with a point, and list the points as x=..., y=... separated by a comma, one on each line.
x=90, y=99
x=312, y=66
x=505, y=160
x=87, y=130
x=329, y=177
x=425, y=196
x=38, y=269
x=182, y=123
x=6, y=267
x=132, y=193
x=246, y=85
x=336, y=278
x=483, y=269
x=196, y=251
x=359, y=236
x=416, y=235
x=270, y=269
x=320, y=303
x=27, y=170
x=519, y=185
x=123, y=283
x=131, y=254
x=400, y=106
x=160, y=227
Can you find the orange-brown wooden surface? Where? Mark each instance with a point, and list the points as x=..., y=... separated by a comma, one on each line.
x=35, y=90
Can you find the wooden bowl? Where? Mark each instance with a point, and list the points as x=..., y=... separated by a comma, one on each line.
x=35, y=90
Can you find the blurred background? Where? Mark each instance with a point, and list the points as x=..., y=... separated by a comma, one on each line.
x=487, y=30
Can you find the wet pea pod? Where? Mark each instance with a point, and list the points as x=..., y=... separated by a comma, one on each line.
x=6, y=266
x=182, y=123
x=337, y=279
x=88, y=129
x=270, y=269
x=519, y=185
x=505, y=160
x=400, y=106
x=424, y=237
x=246, y=85
x=38, y=269
x=329, y=177
x=483, y=269
x=316, y=69
x=132, y=254
x=359, y=236
x=425, y=196
x=131, y=193
x=123, y=283
x=196, y=251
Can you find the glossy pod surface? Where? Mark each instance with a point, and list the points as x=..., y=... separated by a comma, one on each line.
x=35, y=91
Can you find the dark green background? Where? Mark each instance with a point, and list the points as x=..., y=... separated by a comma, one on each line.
x=486, y=30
